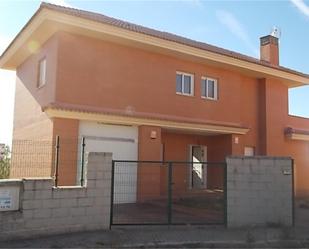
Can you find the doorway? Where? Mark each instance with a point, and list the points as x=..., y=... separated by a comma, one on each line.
x=198, y=169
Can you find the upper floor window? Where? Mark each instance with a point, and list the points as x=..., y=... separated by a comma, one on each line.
x=184, y=83
x=209, y=88
x=42, y=73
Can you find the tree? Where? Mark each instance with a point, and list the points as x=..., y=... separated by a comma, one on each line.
x=5, y=160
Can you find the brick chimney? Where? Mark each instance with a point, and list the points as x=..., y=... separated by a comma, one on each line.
x=269, y=49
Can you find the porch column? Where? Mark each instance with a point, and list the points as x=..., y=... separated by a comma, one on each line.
x=149, y=149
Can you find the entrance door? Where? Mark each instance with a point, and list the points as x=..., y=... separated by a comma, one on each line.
x=199, y=169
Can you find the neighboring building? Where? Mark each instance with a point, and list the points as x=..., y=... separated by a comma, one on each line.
x=149, y=95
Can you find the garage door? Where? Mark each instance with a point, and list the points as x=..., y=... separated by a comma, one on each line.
x=122, y=141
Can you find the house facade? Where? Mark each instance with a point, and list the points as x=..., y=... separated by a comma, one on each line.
x=148, y=95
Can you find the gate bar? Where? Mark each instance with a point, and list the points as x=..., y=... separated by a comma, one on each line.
x=293, y=193
x=225, y=194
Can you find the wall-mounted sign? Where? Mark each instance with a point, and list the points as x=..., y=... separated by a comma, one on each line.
x=287, y=172
x=5, y=199
x=9, y=198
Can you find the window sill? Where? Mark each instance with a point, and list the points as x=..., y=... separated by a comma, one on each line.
x=184, y=94
x=211, y=99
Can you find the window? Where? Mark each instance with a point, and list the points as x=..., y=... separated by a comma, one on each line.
x=209, y=88
x=184, y=83
x=249, y=151
x=42, y=73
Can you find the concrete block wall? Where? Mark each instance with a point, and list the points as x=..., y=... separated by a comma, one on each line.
x=259, y=191
x=47, y=210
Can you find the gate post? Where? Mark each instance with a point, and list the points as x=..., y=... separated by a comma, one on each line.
x=169, y=192
x=225, y=194
x=112, y=195
x=57, y=146
x=82, y=162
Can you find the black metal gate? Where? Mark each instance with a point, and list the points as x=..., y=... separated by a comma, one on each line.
x=168, y=193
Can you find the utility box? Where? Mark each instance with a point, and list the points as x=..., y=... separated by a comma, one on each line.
x=9, y=198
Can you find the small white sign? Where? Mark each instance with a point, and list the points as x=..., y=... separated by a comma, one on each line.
x=5, y=200
x=9, y=198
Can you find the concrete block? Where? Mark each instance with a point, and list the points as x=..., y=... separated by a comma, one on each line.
x=100, y=201
x=28, y=214
x=28, y=184
x=42, y=213
x=82, y=193
x=283, y=162
x=31, y=204
x=106, y=192
x=107, y=176
x=78, y=211
x=84, y=202
x=28, y=195
x=94, y=211
x=57, y=194
x=36, y=223
x=43, y=194
x=62, y=193
x=91, y=175
x=99, y=175
x=60, y=212
x=94, y=192
x=91, y=183
x=101, y=184
x=43, y=184
x=74, y=193
x=68, y=202
x=268, y=163
x=51, y=203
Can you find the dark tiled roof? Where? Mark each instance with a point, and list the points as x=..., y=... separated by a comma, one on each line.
x=162, y=35
x=135, y=114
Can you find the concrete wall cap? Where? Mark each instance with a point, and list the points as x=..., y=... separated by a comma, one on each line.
x=37, y=179
x=100, y=154
x=260, y=157
x=68, y=187
x=10, y=182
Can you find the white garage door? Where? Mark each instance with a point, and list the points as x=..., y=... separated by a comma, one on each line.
x=122, y=141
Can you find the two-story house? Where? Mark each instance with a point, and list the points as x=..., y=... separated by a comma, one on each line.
x=149, y=95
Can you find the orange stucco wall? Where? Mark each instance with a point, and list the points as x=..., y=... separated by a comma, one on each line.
x=90, y=72
x=67, y=130
x=33, y=130
x=144, y=81
x=34, y=133
x=149, y=149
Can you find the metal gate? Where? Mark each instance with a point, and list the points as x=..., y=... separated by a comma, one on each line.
x=168, y=193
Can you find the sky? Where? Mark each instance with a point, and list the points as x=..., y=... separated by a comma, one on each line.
x=234, y=25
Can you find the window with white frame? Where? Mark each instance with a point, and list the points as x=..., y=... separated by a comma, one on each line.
x=184, y=83
x=209, y=88
x=42, y=73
